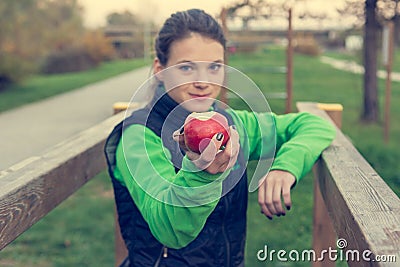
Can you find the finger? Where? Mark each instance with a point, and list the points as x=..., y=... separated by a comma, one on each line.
x=231, y=151
x=276, y=199
x=209, y=153
x=192, y=155
x=233, y=159
x=223, y=167
x=235, y=140
x=178, y=133
x=269, y=187
x=233, y=143
x=286, y=196
x=214, y=168
x=199, y=162
x=231, y=163
x=261, y=199
x=205, y=160
x=178, y=136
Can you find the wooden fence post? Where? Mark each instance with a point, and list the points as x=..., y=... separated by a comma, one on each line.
x=324, y=235
x=121, y=251
x=289, y=65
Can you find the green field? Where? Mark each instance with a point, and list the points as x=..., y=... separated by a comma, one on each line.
x=80, y=233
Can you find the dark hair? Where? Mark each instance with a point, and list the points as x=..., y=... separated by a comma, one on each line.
x=180, y=25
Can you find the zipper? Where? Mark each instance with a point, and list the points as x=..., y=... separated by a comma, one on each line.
x=163, y=254
x=227, y=244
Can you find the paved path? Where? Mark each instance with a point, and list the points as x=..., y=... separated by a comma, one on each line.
x=353, y=67
x=32, y=129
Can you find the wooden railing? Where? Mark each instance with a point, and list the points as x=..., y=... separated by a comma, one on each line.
x=31, y=189
x=353, y=203
x=363, y=210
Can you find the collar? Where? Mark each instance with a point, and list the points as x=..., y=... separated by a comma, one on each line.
x=168, y=109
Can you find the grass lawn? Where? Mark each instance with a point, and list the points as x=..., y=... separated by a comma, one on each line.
x=80, y=232
x=77, y=233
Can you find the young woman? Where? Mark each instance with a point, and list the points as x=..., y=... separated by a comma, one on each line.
x=181, y=208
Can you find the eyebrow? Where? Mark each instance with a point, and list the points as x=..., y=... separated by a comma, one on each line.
x=192, y=62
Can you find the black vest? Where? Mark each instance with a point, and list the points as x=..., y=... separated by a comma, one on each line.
x=221, y=242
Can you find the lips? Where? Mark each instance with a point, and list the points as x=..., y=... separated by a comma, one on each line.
x=200, y=96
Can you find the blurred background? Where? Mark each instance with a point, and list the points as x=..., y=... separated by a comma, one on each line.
x=47, y=37
x=344, y=51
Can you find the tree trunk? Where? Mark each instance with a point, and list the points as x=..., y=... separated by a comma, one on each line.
x=396, y=21
x=370, y=111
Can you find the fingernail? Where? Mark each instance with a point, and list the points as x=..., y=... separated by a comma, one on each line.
x=233, y=127
x=270, y=218
x=181, y=130
x=279, y=214
x=220, y=136
x=283, y=214
x=288, y=207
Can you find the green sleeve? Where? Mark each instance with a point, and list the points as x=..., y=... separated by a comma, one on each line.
x=297, y=139
x=175, y=205
x=301, y=138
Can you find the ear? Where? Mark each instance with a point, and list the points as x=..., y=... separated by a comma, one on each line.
x=157, y=69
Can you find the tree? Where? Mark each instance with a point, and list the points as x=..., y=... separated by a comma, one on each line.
x=248, y=10
x=396, y=20
x=32, y=28
x=372, y=14
x=124, y=18
x=64, y=24
x=370, y=111
x=16, y=45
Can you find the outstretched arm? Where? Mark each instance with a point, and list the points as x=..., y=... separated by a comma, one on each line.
x=175, y=205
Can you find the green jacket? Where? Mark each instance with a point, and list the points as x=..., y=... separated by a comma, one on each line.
x=296, y=141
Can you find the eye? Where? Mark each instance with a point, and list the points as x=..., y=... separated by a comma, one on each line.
x=186, y=68
x=215, y=67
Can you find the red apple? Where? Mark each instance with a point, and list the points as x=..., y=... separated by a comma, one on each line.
x=200, y=127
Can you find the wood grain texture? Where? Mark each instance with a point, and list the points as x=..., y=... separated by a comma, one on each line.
x=363, y=208
x=31, y=189
x=324, y=235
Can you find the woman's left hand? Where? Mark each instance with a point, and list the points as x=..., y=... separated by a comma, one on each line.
x=273, y=188
x=212, y=159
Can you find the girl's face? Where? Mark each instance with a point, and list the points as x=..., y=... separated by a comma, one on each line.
x=194, y=73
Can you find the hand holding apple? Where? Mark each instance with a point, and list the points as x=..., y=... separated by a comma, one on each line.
x=199, y=129
x=211, y=158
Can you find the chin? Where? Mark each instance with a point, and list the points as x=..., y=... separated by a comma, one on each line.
x=198, y=105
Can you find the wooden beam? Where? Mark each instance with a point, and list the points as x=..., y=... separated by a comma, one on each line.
x=123, y=106
x=364, y=210
x=324, y=235
x=30, y=190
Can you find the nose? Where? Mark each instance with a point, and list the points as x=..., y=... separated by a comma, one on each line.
x=200, y=85
x=202, y=78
